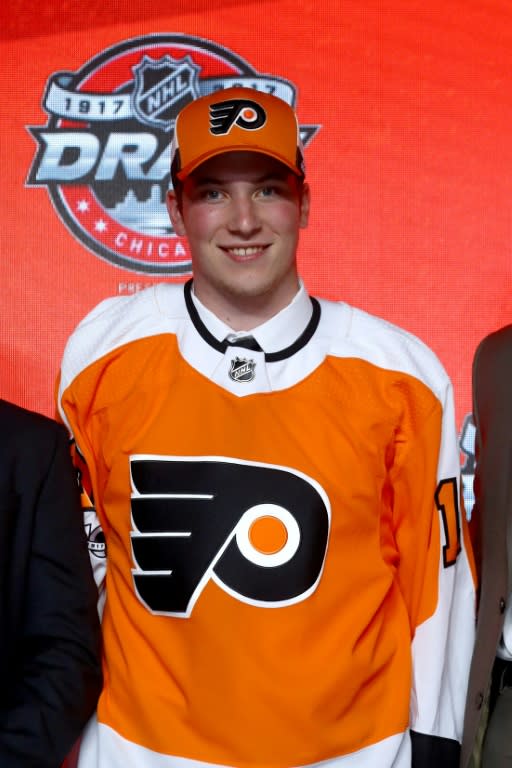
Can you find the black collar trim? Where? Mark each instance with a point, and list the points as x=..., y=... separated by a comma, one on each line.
x=270, y=357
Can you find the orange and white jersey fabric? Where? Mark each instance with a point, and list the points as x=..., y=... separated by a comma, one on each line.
x=287, y=579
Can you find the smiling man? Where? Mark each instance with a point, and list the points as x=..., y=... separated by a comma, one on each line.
x=277, y=480
x=241, y=212
x=240, y=198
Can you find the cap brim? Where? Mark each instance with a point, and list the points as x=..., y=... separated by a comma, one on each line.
x=184, y=172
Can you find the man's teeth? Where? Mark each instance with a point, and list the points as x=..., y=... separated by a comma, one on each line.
x=245, y=251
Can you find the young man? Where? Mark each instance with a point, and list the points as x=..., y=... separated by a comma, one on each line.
x=277, y=479
x=49, y=628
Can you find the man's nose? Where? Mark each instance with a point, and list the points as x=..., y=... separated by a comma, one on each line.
x=244, y=216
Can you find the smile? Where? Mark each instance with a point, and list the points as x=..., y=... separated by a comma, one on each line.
x=245, y=252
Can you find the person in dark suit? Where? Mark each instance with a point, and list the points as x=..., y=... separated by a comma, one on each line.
x=49, y=627
x=487, y=739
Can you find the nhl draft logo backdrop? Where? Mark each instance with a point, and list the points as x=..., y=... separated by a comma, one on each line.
x=104, y=154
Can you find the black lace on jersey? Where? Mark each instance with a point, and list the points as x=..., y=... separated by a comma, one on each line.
x=270, y=357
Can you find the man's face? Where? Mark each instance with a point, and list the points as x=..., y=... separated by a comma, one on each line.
x=241, y=213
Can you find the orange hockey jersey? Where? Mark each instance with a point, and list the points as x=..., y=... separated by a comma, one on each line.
x=286, y=580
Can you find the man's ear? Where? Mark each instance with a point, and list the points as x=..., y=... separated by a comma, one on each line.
x=175, y=215
x=305, y=200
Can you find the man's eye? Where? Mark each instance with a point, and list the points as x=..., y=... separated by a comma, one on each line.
x=209, y=194
x=268, y=191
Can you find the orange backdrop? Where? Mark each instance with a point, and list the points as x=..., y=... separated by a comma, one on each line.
x=406, y=110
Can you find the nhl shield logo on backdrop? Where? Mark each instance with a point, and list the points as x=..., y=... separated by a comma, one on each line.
x=104, y=154
x=162, y=88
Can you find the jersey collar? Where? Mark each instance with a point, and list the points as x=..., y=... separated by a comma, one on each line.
x=280, y=337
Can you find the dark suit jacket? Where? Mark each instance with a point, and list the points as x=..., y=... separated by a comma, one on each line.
x=492, y=410
x=49, y=633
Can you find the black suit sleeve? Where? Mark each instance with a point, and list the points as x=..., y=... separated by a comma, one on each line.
x=54, y=672
x=434, y=751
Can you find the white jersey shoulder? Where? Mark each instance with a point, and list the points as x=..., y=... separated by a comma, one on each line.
x=356, y=333
x=119, y=320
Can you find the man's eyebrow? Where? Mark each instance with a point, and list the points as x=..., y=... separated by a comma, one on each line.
x=266, y=177
x=276, y=176
x=200, y=180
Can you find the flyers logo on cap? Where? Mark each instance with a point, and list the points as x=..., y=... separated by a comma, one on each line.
x=259, y=531
x=244, y=113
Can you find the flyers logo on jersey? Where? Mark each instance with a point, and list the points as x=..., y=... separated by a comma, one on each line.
x=244, y=113
x=259, y=531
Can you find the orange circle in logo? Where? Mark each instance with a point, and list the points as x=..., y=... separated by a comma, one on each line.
x=268, y=534
x=249, y=114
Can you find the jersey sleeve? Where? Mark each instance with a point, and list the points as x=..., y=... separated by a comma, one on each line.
x=436, y=575
x=73, y=415
x=92, y=525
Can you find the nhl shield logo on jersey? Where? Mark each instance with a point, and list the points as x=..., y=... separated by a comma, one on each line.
x=242, y=369
x=104, y=153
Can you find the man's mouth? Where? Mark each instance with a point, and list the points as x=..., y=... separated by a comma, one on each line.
x=244, y=253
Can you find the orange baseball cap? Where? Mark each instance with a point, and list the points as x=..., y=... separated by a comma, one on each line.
x=233, y=120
